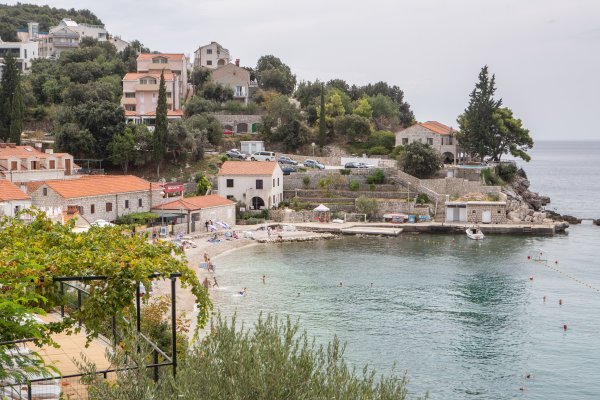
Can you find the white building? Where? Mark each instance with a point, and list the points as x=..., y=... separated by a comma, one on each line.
x=67, y=35
x=27, y=163
x=258, y=184
x=12, y=199
x=23, y=52
x=211, y=56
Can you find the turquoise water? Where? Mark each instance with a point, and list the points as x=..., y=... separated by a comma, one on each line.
x=462, y=318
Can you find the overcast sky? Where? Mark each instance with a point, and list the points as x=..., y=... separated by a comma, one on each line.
x=545, y=53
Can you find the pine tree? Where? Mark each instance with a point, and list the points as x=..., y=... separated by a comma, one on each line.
x=322, y=121
x=8, y=84
x=477, y=134
x=159, y=139
x=16, y=116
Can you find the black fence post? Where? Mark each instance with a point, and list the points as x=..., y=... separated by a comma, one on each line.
x=155, y=366
x=173, y=326
x=62, y=300
x=29, y=391
x=79, y=303
x=138, y=308
x=114, y=330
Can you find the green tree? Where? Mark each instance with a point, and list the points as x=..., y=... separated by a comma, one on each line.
x=352, y=127
x=8, y=88
x=203, y=184
x=384, y=139
x=76, y=141
x=385, y=112
x=199, y=77
x=363, y=108
x=367, y=205
x=322, y=121
x=308, y=92
x=273, y=74
x=178, y=140
x=203, y=128
x=199, y=105
x=510, y=136
x=404, y=115
x=477, y=124
x=123, y=149
x=216, y=92
x=159, y=142
x=284, y=123
x=420, y=160
x=17, y=114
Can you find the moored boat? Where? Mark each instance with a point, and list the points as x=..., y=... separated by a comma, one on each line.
x=475, y=233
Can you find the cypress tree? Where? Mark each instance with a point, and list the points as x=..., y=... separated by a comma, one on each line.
x=16, y=115
x=159, y=138
x=322, y=123
x=8, y=84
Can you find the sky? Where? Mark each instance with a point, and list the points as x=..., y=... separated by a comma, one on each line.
x=545, y=53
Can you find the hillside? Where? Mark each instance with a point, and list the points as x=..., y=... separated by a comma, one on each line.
x=17, y=16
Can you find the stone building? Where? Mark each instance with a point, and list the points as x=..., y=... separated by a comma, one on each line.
x=477, y=212
x=258, y=184
x=195, y=211
x=27, y=163
x=433, y=133
x=211, y=56
x=97, y=197
x=12, y=199
x=234, y=77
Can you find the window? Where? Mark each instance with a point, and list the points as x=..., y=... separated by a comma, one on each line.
x=130, y=95
x=259, y=183
x=148, y=81
x=129, y=107
x=14, y=165
x=273, y=199
x=108, y=207
x=159, y=60
x=92, y=208
x=404, y=141
x=168, y=95
x=52, y=164
x=229, y=182
x=430, y=141
x=45, y=191
x=273, y=182
x=208, y=51
x=230, y=197
x=208, y=62
x=277, y=181
x=239, y=91
x=126, y=203
x=140, y=202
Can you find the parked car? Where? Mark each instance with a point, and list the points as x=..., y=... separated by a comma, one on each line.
x=313, y=164
x=263, y=156
x=352, y=164
x=288, y=169
x=235, y=154
x=287, y=160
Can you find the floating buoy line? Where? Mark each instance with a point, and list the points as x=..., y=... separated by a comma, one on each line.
x=553, y=267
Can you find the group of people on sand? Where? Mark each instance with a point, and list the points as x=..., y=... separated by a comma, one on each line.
x=210, y=267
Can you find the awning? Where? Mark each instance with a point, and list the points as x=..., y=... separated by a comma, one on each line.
x=169, y=215
x=321, y=208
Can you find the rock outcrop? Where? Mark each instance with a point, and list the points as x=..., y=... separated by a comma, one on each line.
x=523, y=205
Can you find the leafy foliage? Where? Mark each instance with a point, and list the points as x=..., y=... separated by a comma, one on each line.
x=33, y=252
x=123, y=148
x=420, y=160
x=138, y=218
x=10, y=92
x=366, y=205
x=160, y=135
x=203, y=184
x=377, y=177
x=284, y=123
x=273, y=74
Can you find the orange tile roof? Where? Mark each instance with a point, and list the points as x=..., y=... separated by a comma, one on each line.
x=195, y=203
x=133, y=76
x=170, y=56
x=99, y=185
x=9, y=191
x=130, y=113
x=437, y=127
x=248, y=168
x=25, y=152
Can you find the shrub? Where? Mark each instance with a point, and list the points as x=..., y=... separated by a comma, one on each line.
x=377, y=177
x=506, y=171
x=397, y=151
x=378, y=150
x=345, y=171
x=367, y=206
x=306, y=180
x=385, y=139
x=490, y=178
x=422, y=198
x=140, y=218
x=372, y=187
x=354, y=186
x=420, y=160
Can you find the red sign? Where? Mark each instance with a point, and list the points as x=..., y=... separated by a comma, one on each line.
x=173, y=187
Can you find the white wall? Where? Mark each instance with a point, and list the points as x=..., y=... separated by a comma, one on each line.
x=244, y=188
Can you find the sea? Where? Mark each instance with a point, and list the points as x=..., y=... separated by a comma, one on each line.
x=503, y=318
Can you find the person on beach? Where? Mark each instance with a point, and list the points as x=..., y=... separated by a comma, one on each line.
x=206, y=283
x=211, y=266
x=268, y=231
x=215, y=282
x=206, y=225
x=264, y=278
x=206, y=258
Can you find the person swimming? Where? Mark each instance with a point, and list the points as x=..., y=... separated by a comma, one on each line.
x=243, y=292
x=215, y=282
x=264, y=278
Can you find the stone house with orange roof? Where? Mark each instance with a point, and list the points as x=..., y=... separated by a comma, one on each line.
x=435, y=134
x=97, y=197
x=258, y=184
x=21, y=164
x=195, y=211
x=12, y=199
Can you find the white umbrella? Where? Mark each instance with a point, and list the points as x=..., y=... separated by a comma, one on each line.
x=321, y=208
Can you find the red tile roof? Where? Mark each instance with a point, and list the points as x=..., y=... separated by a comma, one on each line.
x=99, y=185
x=437, y=127
x=24, y=152
x=248, y=168
x=195, y=203
x=130, y=113
x=9, y=191
x=134, y=76
x=170, y=56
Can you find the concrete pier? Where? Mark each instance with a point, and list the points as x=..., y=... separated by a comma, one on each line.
x=371, y=231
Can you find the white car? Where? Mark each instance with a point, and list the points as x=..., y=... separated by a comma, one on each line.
x=101, y=223
x=263, y=156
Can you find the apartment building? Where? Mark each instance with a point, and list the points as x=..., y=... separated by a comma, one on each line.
x=211, y=56
x=26, y=163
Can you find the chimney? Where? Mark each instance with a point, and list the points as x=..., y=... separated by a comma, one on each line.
x=49, y=151
x=12, y=145
x=2, y=145
x=237, y=62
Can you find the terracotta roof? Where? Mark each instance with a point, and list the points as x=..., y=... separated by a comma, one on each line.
x=170, y=56
x=248, y=168
x=33, y=185
x=173, y=113
x=98, y=185
x=134, y=76
x=437, y=127
x=25, y=152
x=195, y=203
x=130, y=113
x=9, y=191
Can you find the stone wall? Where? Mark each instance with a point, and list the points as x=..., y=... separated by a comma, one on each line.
x=475, y=212
x=458, y=186
x=238, y=120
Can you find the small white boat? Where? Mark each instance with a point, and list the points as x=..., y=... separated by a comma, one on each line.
x=475, y=233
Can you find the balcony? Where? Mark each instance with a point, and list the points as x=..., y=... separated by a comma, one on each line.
x=146, y=88
x=128, y=100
